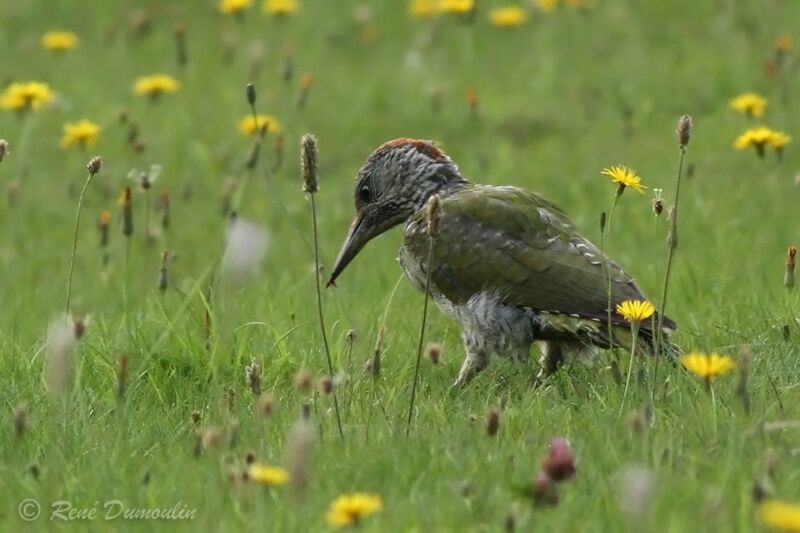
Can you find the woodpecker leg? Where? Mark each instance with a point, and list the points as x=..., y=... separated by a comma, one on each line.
x=551, y=359
x=477, y=359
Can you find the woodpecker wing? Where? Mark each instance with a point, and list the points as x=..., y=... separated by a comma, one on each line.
x=516, y=243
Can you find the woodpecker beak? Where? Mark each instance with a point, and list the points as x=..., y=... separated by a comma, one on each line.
x=360, y=234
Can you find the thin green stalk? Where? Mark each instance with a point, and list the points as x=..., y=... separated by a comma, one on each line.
x=321, y=315
x=421, y=338
x=75, y=238
x=635, y=334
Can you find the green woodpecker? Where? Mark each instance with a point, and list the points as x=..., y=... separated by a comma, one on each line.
x=506, y=264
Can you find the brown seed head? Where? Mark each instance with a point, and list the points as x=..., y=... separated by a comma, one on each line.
x=308, y=162
x=559, y=463
x=122, y=375
x=544, y=490
x=684, y=130
x=433, y=351
x=307, y=82
x=20, y=420
x=266, y=404
x=253, y=377
x=492, y=422
x=303, y=380
x=196, y=417
x=249, y=458
x=788, y=278
x=104, y=219
x=3, y=148
x=326, y=385
x=94, y=164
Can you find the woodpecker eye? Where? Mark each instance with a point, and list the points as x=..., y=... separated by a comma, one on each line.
x=364, y=194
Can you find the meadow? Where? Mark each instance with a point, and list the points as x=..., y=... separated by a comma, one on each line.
x=192, y=365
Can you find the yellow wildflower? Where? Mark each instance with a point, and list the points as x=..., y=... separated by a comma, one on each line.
x=250, y=125
x=423, y=8
x=457, y=6
x=783, y=43
x=751, y=104
x=26, y=95
x=506, y=17
x=82, y=134
x=156, y=85
x=234, y=6
x=625, y=177
x=59, y=40
x=268, y=475
x=280, y=7
x=635, y=310
x=780, y=515
x=707, y=366
x=778, y=139
x=349, y=509
x=546, y=6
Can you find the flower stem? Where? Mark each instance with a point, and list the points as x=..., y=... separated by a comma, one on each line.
x=75, y=239
x=421, y=337
x=321, y=315
x=635, y=335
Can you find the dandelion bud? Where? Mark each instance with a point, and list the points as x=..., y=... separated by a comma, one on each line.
x=684, y=130
x=3, y=148
x=20, y=420
x=103, y=222
x=302, y=380
x=253, y=375
x=287, y=68
x=266, y=404
x=602, y=221
x=433, y=351
x=434, y=205
x=788, y=278
x=492, y=422
x=305, y=87
x=326, y=385
x=164, y=202
x=308, y=163
x=251, y=94
x=559, y=463
x=180, y=43
x=196, y=417
x=472, y=101
x=163, y=281
x=249, y=458
x=94, y=164
x=122, y=375
x=126, y=201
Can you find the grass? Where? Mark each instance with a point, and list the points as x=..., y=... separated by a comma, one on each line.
x=560, y=98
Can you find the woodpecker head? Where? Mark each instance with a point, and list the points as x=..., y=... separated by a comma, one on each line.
x=394, y=183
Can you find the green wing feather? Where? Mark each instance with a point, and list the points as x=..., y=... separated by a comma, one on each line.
x=523, y=247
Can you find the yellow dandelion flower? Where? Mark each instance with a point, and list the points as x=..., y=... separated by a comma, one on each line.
x=751, y=104
x=23, y=96
x=783, y=43
x=349, y=509
x=280, y=7
x=778, y=139
x=423, y=8
x=155, y=85
x=635, y=310
x=250, y=125
x=780, y=515
x=707, y=366
x=458, y=7
x=105, y=218
x=234, y=6
x=546, y=6
x=507, y=17
x=268, y=475
x=624, y=177
x=82, y=134
x=59, y=41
